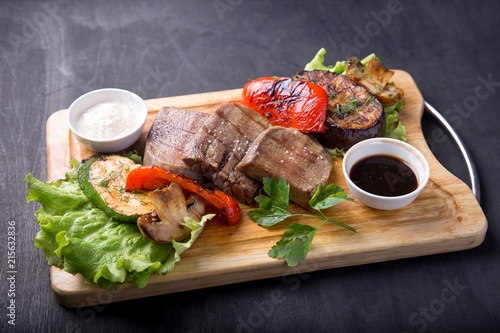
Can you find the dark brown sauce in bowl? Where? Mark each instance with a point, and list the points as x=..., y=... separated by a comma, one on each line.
x=384, y=175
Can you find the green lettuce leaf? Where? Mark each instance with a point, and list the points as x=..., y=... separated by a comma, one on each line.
x=393, y=126
x=318, y=63
x=79, y=238
x=60, y=196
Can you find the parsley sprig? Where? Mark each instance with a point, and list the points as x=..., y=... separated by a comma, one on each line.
x=274, y=208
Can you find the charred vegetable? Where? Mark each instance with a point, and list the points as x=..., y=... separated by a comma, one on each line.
x=353, y=113
x=375, y=78
x=288, y=102
x=149, y=178
x=369, y=73
x=102, y=179
x=171, y=207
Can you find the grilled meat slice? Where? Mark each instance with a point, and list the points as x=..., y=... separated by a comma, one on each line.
x=281, y=152
x=171, y=131
x=376, y=79
x=353, y=113
x=221, y=143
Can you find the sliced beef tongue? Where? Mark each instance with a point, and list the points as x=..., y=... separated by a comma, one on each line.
x=221, y=143
x=172, y=129
x=280, y=152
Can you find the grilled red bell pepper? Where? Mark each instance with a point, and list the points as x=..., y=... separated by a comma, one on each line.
x=288, y=102
x=150, y=178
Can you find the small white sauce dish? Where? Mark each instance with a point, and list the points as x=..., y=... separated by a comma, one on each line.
x=390, y=147
x=102, y=96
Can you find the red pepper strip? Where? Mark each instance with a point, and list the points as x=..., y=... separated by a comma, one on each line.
x=231, y=207
x=150, y=178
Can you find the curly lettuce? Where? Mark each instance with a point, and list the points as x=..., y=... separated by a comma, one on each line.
x=340, y=66
x=394, y=128
x=79, y=238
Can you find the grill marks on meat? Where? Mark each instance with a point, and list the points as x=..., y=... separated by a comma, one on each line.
x=354, y=114
x=221, y=143
x=171, y=131
x=281, y=152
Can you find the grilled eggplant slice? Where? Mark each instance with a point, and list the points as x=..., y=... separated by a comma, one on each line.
x=353, y=113
x=102, y=179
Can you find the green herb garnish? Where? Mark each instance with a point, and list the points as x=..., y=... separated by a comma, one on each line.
x=274, y=208
x=342, y=110
x=105, y=182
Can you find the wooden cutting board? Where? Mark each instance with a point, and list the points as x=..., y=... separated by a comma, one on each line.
x=445, y=217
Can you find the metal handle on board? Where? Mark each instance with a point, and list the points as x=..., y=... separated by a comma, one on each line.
x=475, y=187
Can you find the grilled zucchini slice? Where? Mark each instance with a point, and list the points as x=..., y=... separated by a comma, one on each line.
x=102, y=179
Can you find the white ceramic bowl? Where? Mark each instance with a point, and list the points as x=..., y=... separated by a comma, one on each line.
x=92, y=98
x=394, y=148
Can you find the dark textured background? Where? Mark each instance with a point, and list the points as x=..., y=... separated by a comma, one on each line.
x=53, y=51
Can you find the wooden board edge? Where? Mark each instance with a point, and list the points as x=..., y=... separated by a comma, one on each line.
x=57, y=144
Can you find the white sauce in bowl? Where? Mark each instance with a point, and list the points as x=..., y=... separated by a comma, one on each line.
x=107, y=121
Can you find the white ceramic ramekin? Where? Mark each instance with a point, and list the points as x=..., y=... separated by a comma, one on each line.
x=92, y=98
x=391, y=147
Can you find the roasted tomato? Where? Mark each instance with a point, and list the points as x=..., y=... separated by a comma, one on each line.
x=288, y=102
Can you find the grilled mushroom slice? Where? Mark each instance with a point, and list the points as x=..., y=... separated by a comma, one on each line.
x=167, y=222
x=376, y=79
